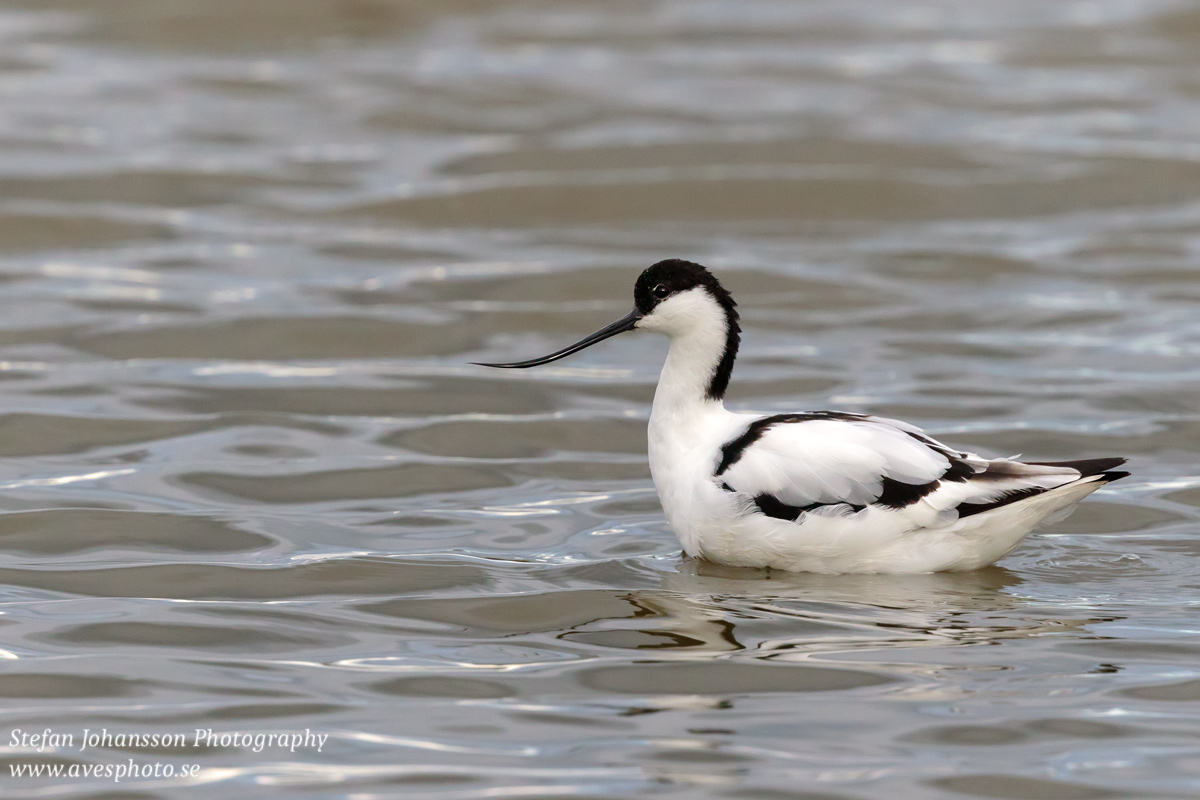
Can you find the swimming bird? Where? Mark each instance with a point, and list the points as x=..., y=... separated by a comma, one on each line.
x=816, y=491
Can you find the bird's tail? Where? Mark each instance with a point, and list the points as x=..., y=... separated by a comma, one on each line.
x=997, y=531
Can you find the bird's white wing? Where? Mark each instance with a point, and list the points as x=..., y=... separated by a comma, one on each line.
x=793, y=463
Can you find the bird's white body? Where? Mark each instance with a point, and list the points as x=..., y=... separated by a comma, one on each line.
x=927, y=536
x=818, y=491
x=821, y=460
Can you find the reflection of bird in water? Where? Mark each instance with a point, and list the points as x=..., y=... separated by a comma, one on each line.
x=711, y=633
x=710, y=608
x=843, y=613
x=818, y=491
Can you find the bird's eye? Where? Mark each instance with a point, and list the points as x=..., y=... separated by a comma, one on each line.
x=661, y=291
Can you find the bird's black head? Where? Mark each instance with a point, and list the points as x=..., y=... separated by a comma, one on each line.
x=674, y=275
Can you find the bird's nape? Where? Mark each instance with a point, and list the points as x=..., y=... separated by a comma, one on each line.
x=625, y=323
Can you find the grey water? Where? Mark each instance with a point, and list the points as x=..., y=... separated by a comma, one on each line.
x=250, y=484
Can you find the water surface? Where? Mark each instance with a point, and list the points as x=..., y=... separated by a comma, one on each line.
x=250, y=482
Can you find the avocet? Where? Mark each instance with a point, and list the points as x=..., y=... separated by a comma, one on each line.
x=816, y=491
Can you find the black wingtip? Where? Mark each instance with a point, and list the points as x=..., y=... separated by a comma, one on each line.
x=1089, y=466
x=1116, y=475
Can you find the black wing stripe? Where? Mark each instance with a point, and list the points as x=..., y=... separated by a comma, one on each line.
x=971, y=509
x=959, y=471
x=772, y=507
x=733, y=450
x=934, y=445
x=898, y=495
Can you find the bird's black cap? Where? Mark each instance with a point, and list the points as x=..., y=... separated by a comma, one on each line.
x=661, y=280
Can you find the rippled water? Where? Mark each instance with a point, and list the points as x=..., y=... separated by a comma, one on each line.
x=250, y=482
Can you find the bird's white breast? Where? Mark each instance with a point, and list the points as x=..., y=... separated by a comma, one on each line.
x=684, y=446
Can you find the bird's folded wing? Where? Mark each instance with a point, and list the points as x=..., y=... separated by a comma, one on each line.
x=803, y=461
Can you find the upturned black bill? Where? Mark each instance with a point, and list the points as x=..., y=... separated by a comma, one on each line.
x=625, y=323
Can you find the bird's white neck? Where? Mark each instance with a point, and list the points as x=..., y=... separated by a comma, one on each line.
x=702, y=346
x=687, y=374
